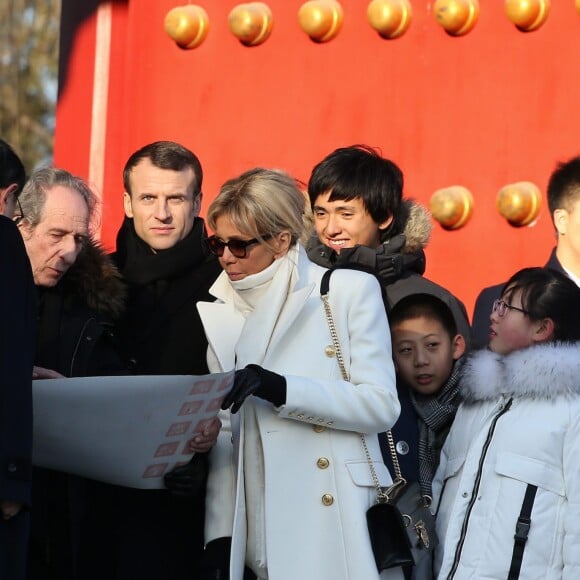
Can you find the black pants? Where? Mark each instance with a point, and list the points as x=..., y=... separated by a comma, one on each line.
x=131, y=534
x=13, y=546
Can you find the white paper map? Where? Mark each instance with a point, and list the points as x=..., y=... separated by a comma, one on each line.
x=127, y=431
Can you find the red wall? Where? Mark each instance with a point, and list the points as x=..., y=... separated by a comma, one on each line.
x=483, y=110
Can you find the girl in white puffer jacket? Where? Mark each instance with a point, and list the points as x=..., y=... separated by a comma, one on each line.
x=508, y=485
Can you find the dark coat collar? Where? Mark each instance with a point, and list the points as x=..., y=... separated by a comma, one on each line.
x=94, y=281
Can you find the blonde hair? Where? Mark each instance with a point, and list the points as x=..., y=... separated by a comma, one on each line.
x=261, y=203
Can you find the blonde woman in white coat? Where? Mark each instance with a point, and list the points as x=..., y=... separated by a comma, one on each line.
x=289, y=481
x=510, y=465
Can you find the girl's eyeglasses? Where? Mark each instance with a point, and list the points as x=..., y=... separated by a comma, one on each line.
x=502, y=307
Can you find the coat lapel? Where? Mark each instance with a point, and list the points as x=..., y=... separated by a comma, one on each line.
x=296, y=300
x=223, y=326
x=294, y=305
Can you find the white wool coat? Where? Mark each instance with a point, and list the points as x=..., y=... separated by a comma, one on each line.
x=519, y=425
x=307, y=467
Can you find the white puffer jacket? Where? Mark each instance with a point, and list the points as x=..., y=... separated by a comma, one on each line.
x=519, y=425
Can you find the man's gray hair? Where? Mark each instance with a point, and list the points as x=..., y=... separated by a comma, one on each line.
x=33, y=196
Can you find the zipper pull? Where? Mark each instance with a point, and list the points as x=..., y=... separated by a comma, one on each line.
x=423, y=534
x=505, y=403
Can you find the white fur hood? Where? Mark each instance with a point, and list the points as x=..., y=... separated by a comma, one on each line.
x=539, y=372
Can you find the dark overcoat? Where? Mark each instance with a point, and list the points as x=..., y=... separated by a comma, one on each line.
x=17, y=317
x=158, y=534
x=75, y=336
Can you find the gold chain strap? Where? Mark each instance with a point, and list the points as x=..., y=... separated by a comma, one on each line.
x=394, y=458
x=334, y=337
x=382, y=496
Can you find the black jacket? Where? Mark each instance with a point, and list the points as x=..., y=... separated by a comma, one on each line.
x=406, y=438
x=153, y=533
x=76, y=337
x=17, y=316
x=483, y=304
x=161, y=332
x=399, y=263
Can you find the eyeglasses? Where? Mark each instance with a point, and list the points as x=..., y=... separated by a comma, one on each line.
x=501, y=307
x=238, y=248
x=20, y=217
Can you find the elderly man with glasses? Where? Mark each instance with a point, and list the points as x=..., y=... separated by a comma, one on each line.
x=80, y=295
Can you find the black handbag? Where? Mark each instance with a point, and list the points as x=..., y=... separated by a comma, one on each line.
x=401, y=527
x=418, y=521
x=389, y=540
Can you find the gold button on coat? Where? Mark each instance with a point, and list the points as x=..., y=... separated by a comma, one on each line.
x=322, y=463
x=327, y=499
x=329, y=351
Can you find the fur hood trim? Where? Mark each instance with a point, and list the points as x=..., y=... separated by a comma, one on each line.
x=544, y=371
x=95, y=279
x=418, y=227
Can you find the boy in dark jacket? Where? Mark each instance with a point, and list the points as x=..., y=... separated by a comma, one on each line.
x=428, y=352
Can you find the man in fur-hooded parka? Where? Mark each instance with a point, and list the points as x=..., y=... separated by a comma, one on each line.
x=362, y=221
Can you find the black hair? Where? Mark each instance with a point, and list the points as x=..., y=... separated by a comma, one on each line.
x=359, y=171
x=11, y=168
x=564, y=185
x=165, y=155
x=427, y=306
x=547, y=293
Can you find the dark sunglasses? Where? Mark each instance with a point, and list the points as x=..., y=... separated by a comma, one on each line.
x=238, y=248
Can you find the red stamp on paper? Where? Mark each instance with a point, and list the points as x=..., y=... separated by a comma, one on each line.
x=178, y=428
x=157, y=470
x=201, y=387
x=214, y=405
x=190, y=408
x=166, y=449
x=225, y=384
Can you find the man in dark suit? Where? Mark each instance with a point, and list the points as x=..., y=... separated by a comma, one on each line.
x=564, y=204
x=165, y=261
x=17, y=315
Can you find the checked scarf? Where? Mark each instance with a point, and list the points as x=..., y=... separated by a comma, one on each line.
x=436, y=413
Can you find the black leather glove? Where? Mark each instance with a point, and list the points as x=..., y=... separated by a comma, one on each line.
x=188, y=480
x=254, y=380
x=215, y=561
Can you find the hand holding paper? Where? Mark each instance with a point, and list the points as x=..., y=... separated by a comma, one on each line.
x=128, y=431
